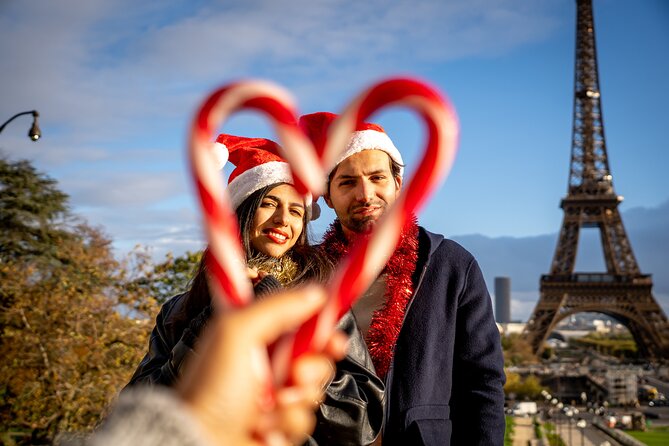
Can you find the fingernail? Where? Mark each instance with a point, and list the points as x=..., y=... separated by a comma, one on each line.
x=275, y=439
x=290, y=395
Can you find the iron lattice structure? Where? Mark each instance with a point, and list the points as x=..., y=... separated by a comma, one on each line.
x=622, y=292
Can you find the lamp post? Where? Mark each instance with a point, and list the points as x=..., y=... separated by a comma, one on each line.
x=581, y=424
x=34, y=133
x=548, y=398
x=569, y=413
x=558, y=418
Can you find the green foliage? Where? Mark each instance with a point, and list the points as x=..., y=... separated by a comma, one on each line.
x=508, y=431
x=32, y=213
x=170, y=277
x=553, y=438
x=528, y=388
x=621, y=345
x=537, y=428
x=655, y=436
x=517, y=351
x=66, y=348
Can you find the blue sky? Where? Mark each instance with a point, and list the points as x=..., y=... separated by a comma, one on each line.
x=116, y=84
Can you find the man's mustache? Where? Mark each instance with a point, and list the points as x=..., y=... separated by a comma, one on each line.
x=377, y=203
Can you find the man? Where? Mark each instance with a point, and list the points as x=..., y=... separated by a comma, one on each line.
x=428, y=318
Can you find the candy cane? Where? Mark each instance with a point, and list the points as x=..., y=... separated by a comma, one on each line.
x=227, y=276
x=370, y=254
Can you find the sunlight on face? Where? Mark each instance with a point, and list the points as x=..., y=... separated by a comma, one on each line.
x=278, y=221
x=362, y=189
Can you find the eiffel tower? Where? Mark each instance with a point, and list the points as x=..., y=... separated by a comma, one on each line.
x=622, y=292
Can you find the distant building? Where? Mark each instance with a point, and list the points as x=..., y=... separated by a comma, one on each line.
x=503, y=300
x=511, y=328
x=601, y=326
x=622, y=385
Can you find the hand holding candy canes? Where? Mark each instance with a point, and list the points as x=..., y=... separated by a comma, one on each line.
x=354, y=275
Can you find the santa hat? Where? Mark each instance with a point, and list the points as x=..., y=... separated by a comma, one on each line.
x=367, y=136
x=258, y=164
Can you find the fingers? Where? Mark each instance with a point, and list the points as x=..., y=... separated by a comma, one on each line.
x=252, y=273
x=337, y=346
x=292, y=419
x=268, y=318
x=312, y=373
x=296, y=422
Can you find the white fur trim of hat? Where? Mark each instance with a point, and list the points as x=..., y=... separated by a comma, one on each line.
x=262, y=175
x=256, y=178
x=372, y=140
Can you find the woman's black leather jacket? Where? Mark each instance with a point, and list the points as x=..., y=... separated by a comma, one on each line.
x=352, y=413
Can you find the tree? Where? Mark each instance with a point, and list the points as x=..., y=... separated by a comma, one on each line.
x=32, y=212
x=522, y=388
x=171, y=277
x=67, y=344
x=517, y=351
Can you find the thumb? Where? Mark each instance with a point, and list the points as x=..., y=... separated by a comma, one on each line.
x=269, y=318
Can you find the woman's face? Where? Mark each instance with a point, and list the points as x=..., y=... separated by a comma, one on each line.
x=278, y=221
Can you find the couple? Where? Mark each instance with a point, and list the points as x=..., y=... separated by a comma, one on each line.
x=424, y=365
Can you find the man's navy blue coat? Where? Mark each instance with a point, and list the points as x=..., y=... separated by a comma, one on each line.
x=444, y=386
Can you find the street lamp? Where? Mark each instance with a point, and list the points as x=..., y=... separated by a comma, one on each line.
x=34, y=133
x=548, y=398
x=581, y=425
x=569, y=413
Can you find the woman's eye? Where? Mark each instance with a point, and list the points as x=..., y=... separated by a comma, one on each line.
x=267, y=204
x=296, y=212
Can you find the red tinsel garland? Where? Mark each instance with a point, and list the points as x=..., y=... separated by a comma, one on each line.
x=386, y=321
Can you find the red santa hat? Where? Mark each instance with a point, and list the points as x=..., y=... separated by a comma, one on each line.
x=367, y=136
x=257, y=164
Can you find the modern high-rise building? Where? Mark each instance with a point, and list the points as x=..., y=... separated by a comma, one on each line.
x=503, y=300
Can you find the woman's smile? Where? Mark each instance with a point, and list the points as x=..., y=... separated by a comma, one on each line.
x=278, y=221
x=277, y=236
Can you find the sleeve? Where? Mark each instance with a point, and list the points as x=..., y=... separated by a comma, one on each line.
x=352, y=412
x=149, y=417
x=162, y=363
x=478, y=370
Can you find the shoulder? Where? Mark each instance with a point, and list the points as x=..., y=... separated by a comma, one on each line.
x=438, y=247
x=174, y=309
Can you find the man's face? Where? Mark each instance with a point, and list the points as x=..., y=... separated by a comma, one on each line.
x=361, y=190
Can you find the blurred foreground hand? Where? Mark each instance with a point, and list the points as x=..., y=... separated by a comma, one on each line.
x=225, y=386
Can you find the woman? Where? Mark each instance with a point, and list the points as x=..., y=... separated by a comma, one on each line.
x=273, y=221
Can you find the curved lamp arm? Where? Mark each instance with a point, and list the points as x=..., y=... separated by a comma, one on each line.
x=34, y=133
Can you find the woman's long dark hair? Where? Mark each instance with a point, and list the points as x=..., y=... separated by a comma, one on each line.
x=312, y=265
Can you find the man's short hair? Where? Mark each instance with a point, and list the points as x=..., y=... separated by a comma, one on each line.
x=395, y=170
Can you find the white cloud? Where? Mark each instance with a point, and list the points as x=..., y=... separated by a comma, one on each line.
x=522, y=305
x=121, y=189
x=83, y=69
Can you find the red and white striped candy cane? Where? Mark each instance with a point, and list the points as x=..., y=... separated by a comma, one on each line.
x=227, y=274
x=368, y=257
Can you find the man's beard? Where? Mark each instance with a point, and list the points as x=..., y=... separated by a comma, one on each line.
x=363, y=226
x=366, y=223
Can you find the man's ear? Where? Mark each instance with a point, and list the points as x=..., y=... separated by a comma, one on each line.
x=326, y=197
x=398, y=184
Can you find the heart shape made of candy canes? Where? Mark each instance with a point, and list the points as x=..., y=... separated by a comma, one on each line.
x=228, y=280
